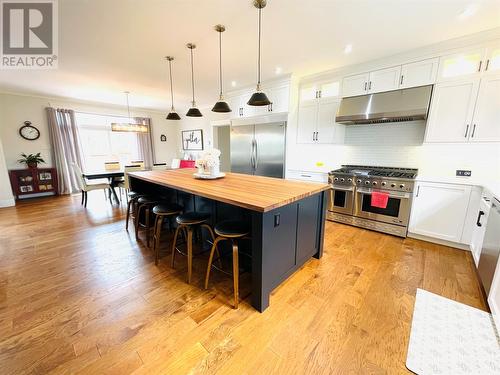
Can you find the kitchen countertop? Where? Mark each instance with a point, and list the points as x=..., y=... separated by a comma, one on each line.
x=256, y=193
x=492, y=186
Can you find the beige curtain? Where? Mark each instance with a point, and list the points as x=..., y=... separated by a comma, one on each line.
x=66, y=147
x=145, y=142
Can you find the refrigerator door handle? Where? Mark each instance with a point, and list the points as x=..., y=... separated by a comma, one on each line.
x=256, y=157
x=252, y=154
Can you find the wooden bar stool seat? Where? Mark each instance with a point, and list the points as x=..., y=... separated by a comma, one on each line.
x=162, y=211
x=229, y=230
x=186, y=222
x=131, y=205
x=145, y=204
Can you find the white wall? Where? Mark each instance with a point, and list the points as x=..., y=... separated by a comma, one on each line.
x=15, y=109
x=6, y=197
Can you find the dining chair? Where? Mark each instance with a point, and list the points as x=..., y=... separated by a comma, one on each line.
x=112, y=166
x=159, y=166
x=187, y=164
x=138, y=162
x=85, y=185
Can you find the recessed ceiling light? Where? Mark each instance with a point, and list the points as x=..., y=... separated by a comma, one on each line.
x=348, y=49
x=469, y=11
x=278, y=70
x=233, y=83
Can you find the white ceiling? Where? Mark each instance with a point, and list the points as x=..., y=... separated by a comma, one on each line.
x=109, y=46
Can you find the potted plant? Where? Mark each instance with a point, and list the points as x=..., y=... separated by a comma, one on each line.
x=31, y=160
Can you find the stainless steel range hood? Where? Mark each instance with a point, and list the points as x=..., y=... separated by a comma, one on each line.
x=392, y=106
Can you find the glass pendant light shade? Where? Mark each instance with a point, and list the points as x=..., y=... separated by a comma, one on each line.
x=193, y=111
x=221, y=106
x=173, y=115
x=259, y=98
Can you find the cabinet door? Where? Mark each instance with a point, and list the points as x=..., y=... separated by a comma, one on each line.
x=306, y=124
x=419, y=73
x=279, y=97
x=355, y=85
x=327, y=110
x=486, y=124
x=329, y=89
x=451, y=111
x=307, y=228
x=439, y=210
x=461, y=64
x=492, y=64
x=384, y=79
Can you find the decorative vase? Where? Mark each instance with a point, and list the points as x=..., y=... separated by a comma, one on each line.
x=214, y=170
x=32, y=165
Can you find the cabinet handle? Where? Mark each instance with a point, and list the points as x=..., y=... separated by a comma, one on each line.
x=418, y=191
x=319, y=94
x=466, y=131
x=478, y=221
x=402, y=77
x=316, y=94
x=487, y=65
x=317, y=135
x=314, y=133
x=366, y=83
x=480, y=64
x=272, y=107
x=305, y=175
x=473, y=131
x=370, y=85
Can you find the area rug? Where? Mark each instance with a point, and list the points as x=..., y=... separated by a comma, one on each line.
x=448, y=337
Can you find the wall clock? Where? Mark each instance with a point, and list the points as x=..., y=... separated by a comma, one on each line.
x=29, y=132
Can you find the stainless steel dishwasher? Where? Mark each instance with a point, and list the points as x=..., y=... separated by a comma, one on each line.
x=490, y=251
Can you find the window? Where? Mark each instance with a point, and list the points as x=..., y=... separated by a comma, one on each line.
x=100, y=144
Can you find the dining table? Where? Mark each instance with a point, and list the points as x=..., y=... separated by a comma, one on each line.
x=114, y=177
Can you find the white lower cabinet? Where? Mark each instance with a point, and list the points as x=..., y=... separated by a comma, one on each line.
x=440, y=210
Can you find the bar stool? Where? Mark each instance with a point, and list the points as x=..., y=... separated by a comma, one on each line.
x=131, y=206
x=186, y=222
x=161, y=211
x=230, y=230
x=144, y=203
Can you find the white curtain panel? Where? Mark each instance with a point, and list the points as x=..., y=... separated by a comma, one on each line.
x=144, y=141
x=66, y=147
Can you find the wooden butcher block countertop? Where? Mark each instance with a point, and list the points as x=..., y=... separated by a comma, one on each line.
x=255, y=193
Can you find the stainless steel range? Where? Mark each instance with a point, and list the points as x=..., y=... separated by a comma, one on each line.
x=350, y=199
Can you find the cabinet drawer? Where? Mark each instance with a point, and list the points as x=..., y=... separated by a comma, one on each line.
x=307, y=176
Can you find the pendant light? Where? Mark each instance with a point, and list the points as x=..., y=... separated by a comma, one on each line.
x=172, y=115
x=193, y=111
x=259, y=98
x=128, y=126
x=221, y=106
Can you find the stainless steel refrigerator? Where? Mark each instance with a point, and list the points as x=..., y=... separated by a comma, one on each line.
x=259, y=149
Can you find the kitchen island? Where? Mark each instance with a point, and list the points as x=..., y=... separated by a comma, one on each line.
x=287, y=217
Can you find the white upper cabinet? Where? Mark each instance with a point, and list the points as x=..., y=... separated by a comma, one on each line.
x=461, y=64
x=318, y=107
x=492, y=64
x=279, y=96
x=384, y=79
x=451, y=112
x=439, y=210
x=486, y=120
x=419, y=73
x=355, y=85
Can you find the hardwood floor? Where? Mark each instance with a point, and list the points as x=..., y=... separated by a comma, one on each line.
x=78, y=294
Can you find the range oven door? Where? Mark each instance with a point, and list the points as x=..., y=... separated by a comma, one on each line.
x=396, y=212
x=341, y=200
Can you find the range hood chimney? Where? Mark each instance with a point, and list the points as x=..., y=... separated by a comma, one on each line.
x=391, y=106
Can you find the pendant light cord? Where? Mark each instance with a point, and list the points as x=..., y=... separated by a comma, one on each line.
x=192, y=75
x=128, y=107
x=171, y=83
x=220, y=63
x=258, y=65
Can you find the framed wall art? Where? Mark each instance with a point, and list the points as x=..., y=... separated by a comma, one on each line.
x=192, y=140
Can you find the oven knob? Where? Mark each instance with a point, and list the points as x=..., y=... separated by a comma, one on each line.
x=349, y=180
x=374, y=183
x=358, y=181
x=342, y=180
x=393, y=185
x=402, y=186
x=384, y=183
x=336, y=179
x=367, y=182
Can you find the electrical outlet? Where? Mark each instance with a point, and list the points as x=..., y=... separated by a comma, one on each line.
x=463, y=173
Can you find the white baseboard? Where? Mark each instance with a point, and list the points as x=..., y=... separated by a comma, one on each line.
x=7, y=202
x=456, y=245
